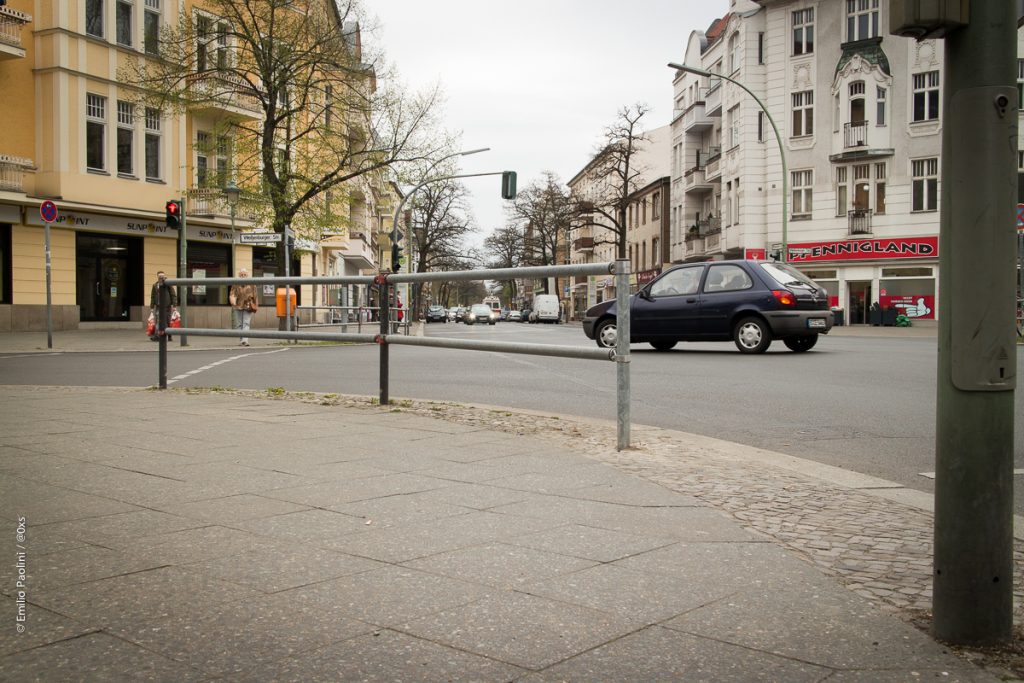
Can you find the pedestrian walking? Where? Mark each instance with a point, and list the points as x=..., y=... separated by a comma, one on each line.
x=154, y=301
x=244, y=305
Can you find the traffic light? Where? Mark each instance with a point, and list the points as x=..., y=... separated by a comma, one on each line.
x=173, y=211
x=508, y=185
x=396, y=249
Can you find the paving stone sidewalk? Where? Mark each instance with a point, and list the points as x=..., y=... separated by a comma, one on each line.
x=186, y=536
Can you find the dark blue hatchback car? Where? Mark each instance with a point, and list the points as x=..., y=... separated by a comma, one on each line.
x=748, y=302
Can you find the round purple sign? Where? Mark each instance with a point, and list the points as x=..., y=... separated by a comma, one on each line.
x=48, y=210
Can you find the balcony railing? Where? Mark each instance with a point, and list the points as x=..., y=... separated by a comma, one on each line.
x=860, y=221
x=12, y=172
x=11, y=23
x=222, y=91
x=712, y=240
x=211, y=202
x=856, y=134
x=583, y=244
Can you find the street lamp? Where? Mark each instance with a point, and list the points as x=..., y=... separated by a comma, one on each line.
x=398, y=211
x=232, y=193
x=778, y=138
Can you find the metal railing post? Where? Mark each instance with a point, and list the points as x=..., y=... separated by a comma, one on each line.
x=163, y=304
x=383, y=292
x=622, y=352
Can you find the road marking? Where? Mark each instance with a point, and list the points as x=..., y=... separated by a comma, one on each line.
x=211, y=366
x=931, y=475
x=30, y=355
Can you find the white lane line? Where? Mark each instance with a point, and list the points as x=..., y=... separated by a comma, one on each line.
x=931, y=475
x=211, y=366
x=30, y=355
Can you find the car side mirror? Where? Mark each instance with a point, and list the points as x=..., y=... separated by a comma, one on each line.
x=645, y=294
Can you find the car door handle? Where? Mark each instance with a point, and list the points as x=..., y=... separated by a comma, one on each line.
x=691, y=301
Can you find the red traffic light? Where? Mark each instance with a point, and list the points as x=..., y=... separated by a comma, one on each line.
x=172, y=208
x=172, y=212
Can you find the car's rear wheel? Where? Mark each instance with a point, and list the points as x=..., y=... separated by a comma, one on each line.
x=802, y=343
x=663, y=345
x=752, y=335
x=605, y=335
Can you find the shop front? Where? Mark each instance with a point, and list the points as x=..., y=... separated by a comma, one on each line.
x=874, y=281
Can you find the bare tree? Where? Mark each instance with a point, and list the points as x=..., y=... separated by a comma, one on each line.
x=546, y=213
x=317, y=124
x=615, y=175
x=440, y=224
x=507, y=247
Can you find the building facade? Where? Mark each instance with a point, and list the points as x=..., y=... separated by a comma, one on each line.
x=860, y=118
x=78, y=135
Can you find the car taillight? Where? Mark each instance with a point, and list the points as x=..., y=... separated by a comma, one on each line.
x=784, y=297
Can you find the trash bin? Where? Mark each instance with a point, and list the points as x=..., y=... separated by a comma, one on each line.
x=838, y=316
x=282, y=307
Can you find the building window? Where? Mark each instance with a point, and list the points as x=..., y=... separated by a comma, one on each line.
x=925, y=184
x=1020, y=84
x=760, y=47
x=124, y=22
x=643, y=256
x=760, y=126
x=926, y=96
x=803, y=198
x=803, y=113
x=1020, y=177
x=736, y=202
x=203, y=30
x=861, y=187
x=151, y=27
x=732, y=122
x=655, y=206
x=655, y=254
x=223, y=157
x=223, y=64
x=880, y=173
x=94, y=18
x=125, y=138
x=734, y=52
x=328, y=101
x=95, y=132
x=880, y=106
x=152, y=144
x=842, y=190
x=861, y=19
x=803, y=31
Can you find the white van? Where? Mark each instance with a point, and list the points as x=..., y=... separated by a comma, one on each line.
x=545, y=309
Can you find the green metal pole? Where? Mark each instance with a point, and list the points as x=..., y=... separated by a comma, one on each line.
x=973, y=572
x=183, y=268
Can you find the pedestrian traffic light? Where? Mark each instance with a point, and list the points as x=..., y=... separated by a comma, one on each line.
x=396, y=249
x=173, y=211
x=508, y=185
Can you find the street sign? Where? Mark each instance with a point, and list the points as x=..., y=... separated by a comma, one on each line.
x=48, y=211
x=259, y=237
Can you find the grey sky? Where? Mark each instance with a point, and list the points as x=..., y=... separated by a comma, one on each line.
x=537, y=81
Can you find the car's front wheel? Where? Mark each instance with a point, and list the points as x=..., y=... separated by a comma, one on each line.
x=663, y=345
x=605, y=335
x=802, y=343
x=752, y=335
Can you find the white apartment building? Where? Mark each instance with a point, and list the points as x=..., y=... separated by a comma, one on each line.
x=859, y=113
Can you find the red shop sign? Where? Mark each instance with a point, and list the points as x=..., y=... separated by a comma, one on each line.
x=865, y=250
x=920, y=306
x=756, y=254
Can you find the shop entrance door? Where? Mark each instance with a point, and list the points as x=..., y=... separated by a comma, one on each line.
x=103, y=280
x=860, y=296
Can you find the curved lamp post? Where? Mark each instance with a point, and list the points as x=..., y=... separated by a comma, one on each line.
x=778, y=138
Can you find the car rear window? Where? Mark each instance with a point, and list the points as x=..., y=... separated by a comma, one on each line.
x=786, y=275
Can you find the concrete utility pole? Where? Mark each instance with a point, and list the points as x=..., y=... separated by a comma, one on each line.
x=973, y=580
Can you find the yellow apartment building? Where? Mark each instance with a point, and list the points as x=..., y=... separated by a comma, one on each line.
x=76, y=134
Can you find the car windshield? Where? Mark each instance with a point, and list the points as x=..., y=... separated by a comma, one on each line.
x=481, y=309
x=786, y=275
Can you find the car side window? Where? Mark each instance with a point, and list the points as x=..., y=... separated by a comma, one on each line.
x=727, y=278
x=676, y=282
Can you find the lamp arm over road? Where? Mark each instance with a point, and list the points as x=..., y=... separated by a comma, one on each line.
x=778, y=139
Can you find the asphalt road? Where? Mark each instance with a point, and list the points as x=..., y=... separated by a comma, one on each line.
x=865, y=404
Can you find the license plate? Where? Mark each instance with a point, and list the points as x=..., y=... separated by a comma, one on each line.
x=815, y=323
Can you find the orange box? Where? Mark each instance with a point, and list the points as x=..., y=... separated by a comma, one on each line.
x=281, y=306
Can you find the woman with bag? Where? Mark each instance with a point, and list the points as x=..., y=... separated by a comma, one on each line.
x=153, y=303
x=243, y=301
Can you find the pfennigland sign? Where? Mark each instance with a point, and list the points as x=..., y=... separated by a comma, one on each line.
x=865, y=250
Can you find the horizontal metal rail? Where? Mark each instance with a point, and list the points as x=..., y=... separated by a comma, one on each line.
x=578, y=352
x=279, y=334
x=505, y=273
x=272, y=280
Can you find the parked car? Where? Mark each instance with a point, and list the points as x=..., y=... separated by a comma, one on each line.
x=514, y=317
x=546, y=309
x=525, y=313
x=457, y=313
x=748, y=302
x=437, y=314
x=504, y=314
x=480, y=313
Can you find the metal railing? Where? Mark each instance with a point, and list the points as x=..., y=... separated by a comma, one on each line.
x=384, y=339
x=860, y=221
x=339, y=316
x=856, y=134
x=11, y=23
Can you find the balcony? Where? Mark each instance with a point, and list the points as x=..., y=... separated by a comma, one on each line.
x=11, y=23
x=695, y=118
x=693, y=247
x=216, y=93
x=713, y=167
x=210, y=202
x=860, y=221
x=583, y=245
x=713, y=242
x=713, y=98
x=12, y=172
x=358, y=251
x=855, y=134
